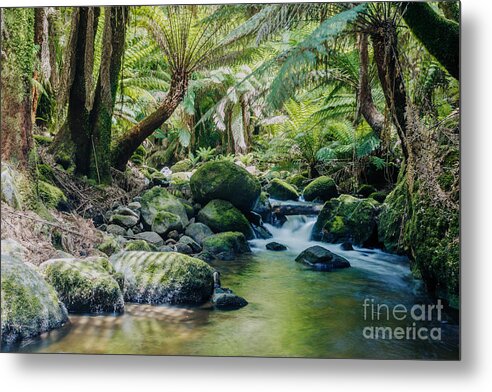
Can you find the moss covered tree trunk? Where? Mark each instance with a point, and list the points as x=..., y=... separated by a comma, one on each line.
x=17, y=62
x=105, y=95
x=127, y=145
x=440, y=36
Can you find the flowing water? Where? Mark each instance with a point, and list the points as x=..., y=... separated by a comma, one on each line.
x=292, y=311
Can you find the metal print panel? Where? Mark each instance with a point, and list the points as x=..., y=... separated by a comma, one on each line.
x=271, y=180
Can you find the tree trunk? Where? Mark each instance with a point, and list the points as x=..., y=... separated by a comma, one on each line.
x=17, y=30
x=439, y=35
x=385, y=45
x=366, y=105
x=127, y=145
x=105, y=96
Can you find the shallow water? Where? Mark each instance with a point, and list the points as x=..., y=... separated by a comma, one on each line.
x=292, y=312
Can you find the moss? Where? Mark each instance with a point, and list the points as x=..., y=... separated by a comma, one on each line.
x=446, y=181
x=322, y=188
x=64, y=159
x=135, y=245
x=45, y=173
x=169, y=277
x=347, y=218
x=165, y=221
x=281, y=190
x=182, y=166
x=227, y=242
x=160, y=158
x=365, y=190
x=158, y=200
x=29, y=305
x=138, y=156
x=298, y=180
x=221, y=216
x=84, y=285
x=109, y=246
x=227, y=181
x=379, y=196
x=51, y=195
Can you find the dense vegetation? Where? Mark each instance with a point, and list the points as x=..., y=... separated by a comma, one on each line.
x=355, y=105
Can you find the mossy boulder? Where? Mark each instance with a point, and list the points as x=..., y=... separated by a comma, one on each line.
x=198, y=231
x=182, y=166
x=365, y=190
x=227, y=181
x=138, y=156
x=322, y=188
x=348, y=218
x=158, y=278
x=226, y=246
x=165, y=221
x=136, y=245
x=30, y=306
x=88, y=285
x=51, y=196
x=109, y=245
x=221, y=216
x=281, y=190
x=298, y=180
x=157, y=201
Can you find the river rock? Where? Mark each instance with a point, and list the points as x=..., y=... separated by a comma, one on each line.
x=135, y=245
x=347, y=245
x=182, y=166
x=183, y=248
x=347, y=218
x=226, y=181
x=226, y=246
x=225, y=299
x=281, y=190
x=135, y=206
x=195, y=247
x=322, y=188
x=198, y=231
x=275, y=246
x=151, y=237
x=124, y=220
x=116, y=230
x=88, y=285
x=158, y=278
x=158, y=200
x=321, y=259
x=30, y=306
x=264, y=208
x=164, y=222
x=173, y=235
x=222, y=216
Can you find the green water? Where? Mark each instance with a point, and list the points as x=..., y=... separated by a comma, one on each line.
x=292, y=312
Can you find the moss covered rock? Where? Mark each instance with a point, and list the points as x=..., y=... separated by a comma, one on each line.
x=221, y=216
x=30, y=306
x=135, y=245
x=109, y=245
x=156, y=202
x=88, y=285
x=347, y=218
x=157, y=278
x=198, y=231
x=51, y=196
x=322, y=188
x=165, y=221
x=298, y=180
x=182, y=166
x=281, y=190
x=365, y=190
x=226, y=246
x=227, y=181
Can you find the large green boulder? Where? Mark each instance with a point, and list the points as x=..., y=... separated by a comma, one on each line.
x=281, y=190
x=88, y=285
x=157, y=203
x=227, y=181
x=322, y=188
x=158, y=278
x=182, y=166
x=347, y=218
x=30, y=306
x=221, y=216
x=226, y=246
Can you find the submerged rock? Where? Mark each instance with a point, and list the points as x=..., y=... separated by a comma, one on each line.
x=275, y=246
x=88, y=285
x=30, y=306
x=222, y=216
x=321, y=259
x=226, y=181
x=157, y=278
x=225, y=246
x=322, y=188
x=347, y=218
x=281, y=190
x=198, y=231
x=347, y=245
x=225, y=299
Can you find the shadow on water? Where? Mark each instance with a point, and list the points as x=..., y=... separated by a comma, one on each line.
x=292, y=311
